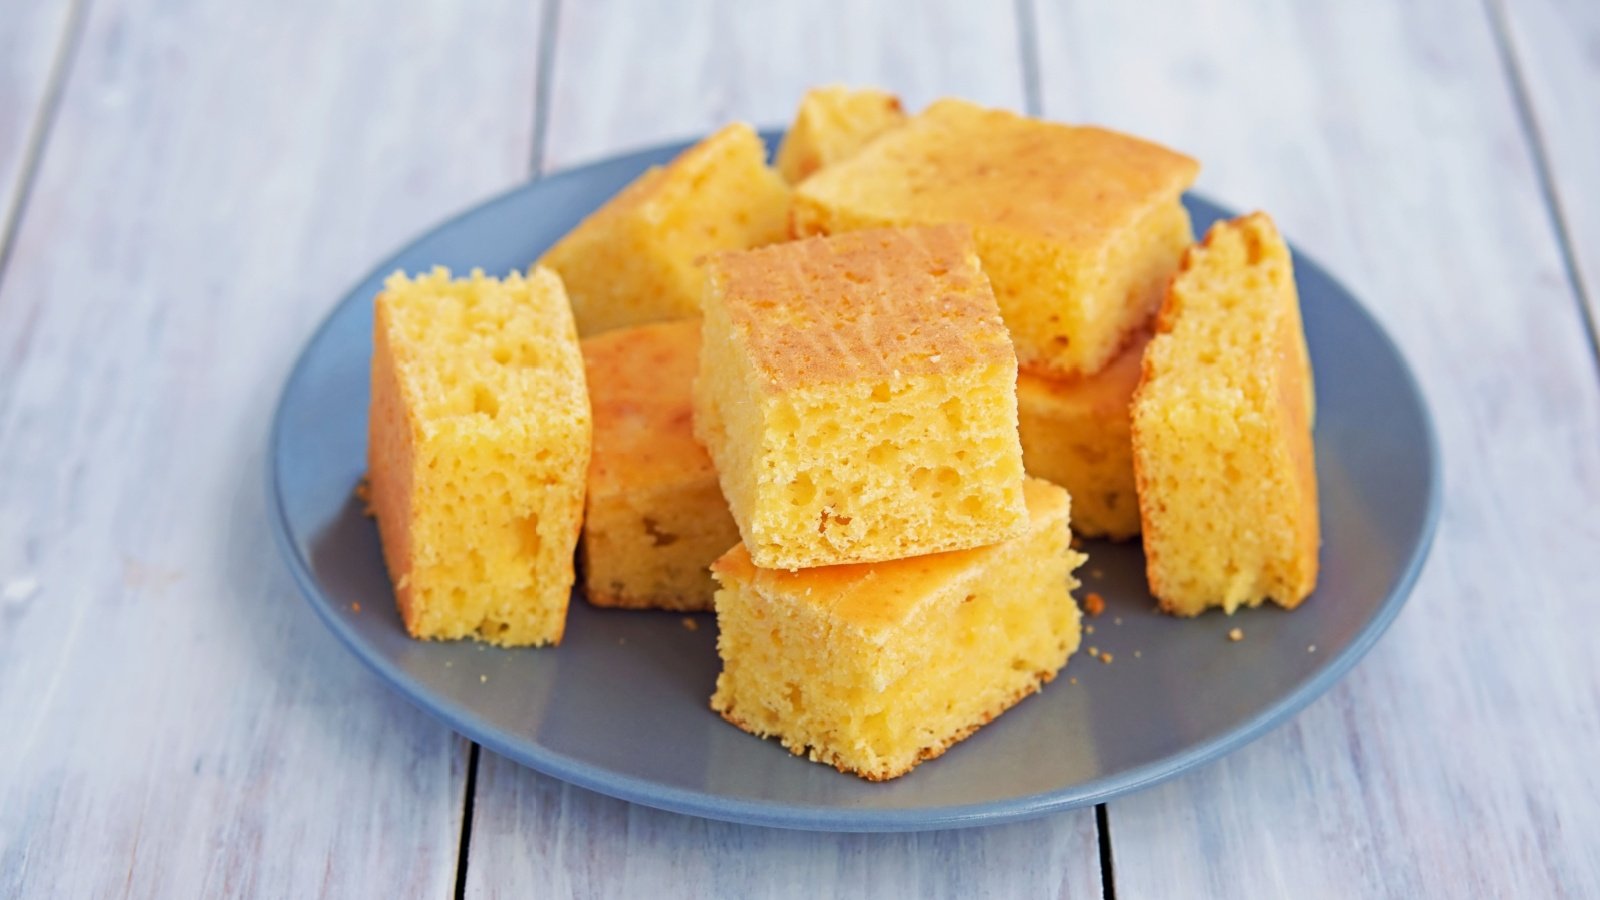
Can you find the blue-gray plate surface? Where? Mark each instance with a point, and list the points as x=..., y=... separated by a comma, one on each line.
x=621, y=706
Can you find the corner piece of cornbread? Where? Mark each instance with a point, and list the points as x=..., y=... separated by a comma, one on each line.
x=635, y=260
x=858, y=394
x=1079, y=228
x=874, y=668
x=1222, y=422
x=478, y=438
x=1076, y=433
x=655, y=516
x=832, y=124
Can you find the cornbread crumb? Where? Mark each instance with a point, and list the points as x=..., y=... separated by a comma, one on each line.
x=1236, y=634
x=1097, y=573
x=690, y=624
x=1088, y=629
x=1079, y=227
x=887, y=664
x=637, y=258
x=1117, y=621
x=1094, y=651
x=832, y=124
x=1106, y=658
x=1076, y=432
x=364, y=496
x=1093, y=603
x=483, y=679
x=836, y=437
x=1222, y=430
x=1138, y=653
x=655, y=519
x=1311, y=649
x=355, y=607
x=1072, y=680
x=478, y=438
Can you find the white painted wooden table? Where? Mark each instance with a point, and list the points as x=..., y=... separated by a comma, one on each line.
x=187, y=186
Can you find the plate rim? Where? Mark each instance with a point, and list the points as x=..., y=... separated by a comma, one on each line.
x=809, y=817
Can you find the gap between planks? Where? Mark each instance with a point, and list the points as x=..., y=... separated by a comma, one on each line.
x=1500, y=27
x=40, y=128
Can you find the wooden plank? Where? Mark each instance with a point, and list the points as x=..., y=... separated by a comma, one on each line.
x=617, y=84
x=1458, y=759
x=178, y=720
x=1555, y=49
x=32, y=40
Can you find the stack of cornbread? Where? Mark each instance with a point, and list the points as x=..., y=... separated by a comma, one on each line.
x=847, y=403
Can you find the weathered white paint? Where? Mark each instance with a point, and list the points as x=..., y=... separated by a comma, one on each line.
x=1458, y=760
x=178, y=723
x=32, y=33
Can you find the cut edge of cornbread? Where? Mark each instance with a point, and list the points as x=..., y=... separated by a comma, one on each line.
x=1222, y=418
x=833, y=123
x=655, y=518
x=636, y=259
x=477, y=505
x=896, y=639
x=1076, y=432
x=844, y=428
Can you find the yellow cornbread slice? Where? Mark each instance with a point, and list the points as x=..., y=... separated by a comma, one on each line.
x=635, y=260
x=478, y=438
x=874, y=668
x=858, y=394
x=832, y=124
x=655, y=516
x=1222, y=421
x=1076, y=433
x=1079, y=228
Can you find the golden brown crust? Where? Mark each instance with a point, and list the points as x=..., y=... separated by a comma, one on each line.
x=873, y=304
x=640, y=393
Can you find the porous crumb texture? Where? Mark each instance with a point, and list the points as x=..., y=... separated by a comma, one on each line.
x=833, y=124
x=858, y=394
x=874, y=668
x=1078, y=227
x=1222, y=430
x=479, y=435
x=655, y=516
x=636, y=259
x=1076, y=432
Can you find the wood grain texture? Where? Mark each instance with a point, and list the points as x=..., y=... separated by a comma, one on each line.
x=1458, y=759
x=1555, y=47
x=616, y=83
x=632, y=75
x=536, y=837
x=32, y=38
x=178, y=722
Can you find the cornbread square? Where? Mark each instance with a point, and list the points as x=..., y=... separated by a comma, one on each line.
x=1076, y=432
x=635, y=260
x=655, y=518
x=873, y=668
x=1079, y=228
x=1222, y=422
x=478, y=438
x=858, y=394
x=832, y=124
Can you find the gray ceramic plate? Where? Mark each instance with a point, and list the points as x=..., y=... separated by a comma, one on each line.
x=620, y=707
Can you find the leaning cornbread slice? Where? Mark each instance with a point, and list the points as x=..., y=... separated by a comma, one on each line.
x=858, y=395
x=832, y=124
x=1076, y=433
x=1222, y=430
x=635, y=260
x=874, y=668
x=655, y=516
x=478, y=439
x=1079, y=228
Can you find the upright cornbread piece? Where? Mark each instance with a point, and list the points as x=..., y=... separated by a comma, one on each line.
x=832, y=124
x=858, y=394
x=1079, y=228
x=655, y=516
x=1222, y=430
x=1076, y=433
x=874, y=668
x=635, y=260
x=478, y=439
